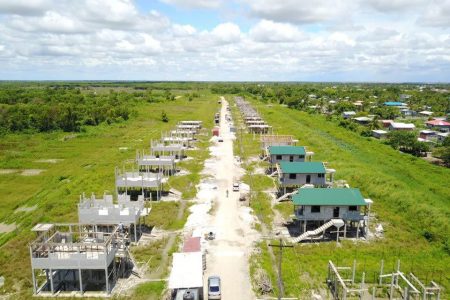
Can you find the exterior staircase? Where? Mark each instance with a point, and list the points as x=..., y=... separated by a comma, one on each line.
x=285, y=196
x=307, y=234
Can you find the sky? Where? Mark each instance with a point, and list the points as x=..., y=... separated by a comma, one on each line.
x=226, y=40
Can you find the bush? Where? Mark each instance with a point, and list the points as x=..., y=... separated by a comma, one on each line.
x=164, y=117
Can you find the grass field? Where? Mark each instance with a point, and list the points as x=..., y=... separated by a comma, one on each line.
x=411, y=200
x=85, y=163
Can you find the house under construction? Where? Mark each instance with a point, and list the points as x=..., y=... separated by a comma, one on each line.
x=175, y=149
x=103, y=211
x=78, y=259
x=341, y=281
x=277, y=140
x=135, y=184
x=161, y=164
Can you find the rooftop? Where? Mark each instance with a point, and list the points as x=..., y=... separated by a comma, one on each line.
x=394, y=103
x=325, y=196
x=280, y=150
x=302, y=167
x=438, y=123
x=403, y=125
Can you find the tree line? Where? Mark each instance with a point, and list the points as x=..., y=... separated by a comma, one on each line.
x=37, y=107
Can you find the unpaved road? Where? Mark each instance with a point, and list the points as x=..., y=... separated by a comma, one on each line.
x=228, y=254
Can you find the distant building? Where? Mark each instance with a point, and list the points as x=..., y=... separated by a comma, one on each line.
x=441, y=136
x=348, y=114
x=438, y=124
x=406, y=112
x=425, y=113
x=386, y=123
x=402, y=126
x=428, y=134
x=394, y=104
x=379, y=134
x=363, y=120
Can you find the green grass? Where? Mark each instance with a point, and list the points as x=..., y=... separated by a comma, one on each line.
x=187, y=183
x=411, y=199
x=149, y=290
x=159, y=212
x=88, y=161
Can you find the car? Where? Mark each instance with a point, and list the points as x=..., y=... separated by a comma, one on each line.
x=236, y=187
x=220, y=140
x=214, y=289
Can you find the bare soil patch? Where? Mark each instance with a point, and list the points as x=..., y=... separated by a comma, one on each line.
x=8, y=171
x=31, y=172
x=5, y=228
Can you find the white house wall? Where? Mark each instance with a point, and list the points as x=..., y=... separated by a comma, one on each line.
x=301, y=180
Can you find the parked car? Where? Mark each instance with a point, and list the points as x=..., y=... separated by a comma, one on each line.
x=220, y=140
x=236, y=187
x=214, y=289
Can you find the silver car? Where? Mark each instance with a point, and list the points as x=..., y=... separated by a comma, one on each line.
x=214, y=289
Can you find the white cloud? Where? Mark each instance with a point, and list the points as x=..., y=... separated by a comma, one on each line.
x=269, y=31
x=226, y=33
x=437, y=14
x=303, y=12
x=394, y=5
x=208, y=4
x=24, y=7
x=350, y=40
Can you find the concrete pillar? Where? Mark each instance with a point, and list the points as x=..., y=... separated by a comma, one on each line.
x=51, y=282
x=345, y=229
x=337, y=235
x=81, y=281
x=107, y=281
x=34, y=281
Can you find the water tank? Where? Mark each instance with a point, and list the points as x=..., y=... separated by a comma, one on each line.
x=188, y=295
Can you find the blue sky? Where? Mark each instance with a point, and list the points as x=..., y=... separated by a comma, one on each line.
x=348, y=40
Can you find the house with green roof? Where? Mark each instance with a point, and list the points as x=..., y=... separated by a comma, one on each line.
x=277, y=154
x=296, y=174
x=315, y=207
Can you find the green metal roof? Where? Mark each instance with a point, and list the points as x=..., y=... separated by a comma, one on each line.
x=293, y=150
x=331, y=197
x=301, y=167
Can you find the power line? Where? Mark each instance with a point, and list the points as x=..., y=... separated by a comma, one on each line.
x=280, y=278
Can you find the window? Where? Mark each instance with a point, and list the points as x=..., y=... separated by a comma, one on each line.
x=301, y=156
x=353, y=208
x=292, y=176
x=315, y=209
x=320, y=175
x=291, y=158
x=278, y=157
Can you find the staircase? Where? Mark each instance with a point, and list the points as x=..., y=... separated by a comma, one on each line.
x=307, y=234
x=285, y=196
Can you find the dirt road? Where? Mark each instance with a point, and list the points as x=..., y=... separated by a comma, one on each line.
x=228, y=254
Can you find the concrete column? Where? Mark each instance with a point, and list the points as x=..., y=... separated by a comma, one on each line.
x=51, y=282
x=34, y=281
x=107, y=281
x=81, y=281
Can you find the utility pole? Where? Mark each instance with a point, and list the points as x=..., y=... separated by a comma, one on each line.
x=280, y=278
